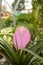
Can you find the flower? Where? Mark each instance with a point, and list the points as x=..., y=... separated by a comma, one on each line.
x=21, y=37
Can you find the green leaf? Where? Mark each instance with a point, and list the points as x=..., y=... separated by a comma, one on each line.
x=9, y=51
x=34, y=49
x=37, y=56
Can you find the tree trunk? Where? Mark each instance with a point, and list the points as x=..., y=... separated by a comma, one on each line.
x=14, y=12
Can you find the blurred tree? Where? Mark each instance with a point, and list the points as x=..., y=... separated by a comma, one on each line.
x=38, y=11
x=20, y=6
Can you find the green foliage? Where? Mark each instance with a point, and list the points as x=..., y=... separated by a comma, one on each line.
x=27, y=20
x=7, y=22
x=38, y=11
x=28, y=56
x=23, y=18
x=7, y=34
x=33, y=53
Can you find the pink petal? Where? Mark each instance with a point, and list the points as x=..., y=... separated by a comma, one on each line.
x=21, y=37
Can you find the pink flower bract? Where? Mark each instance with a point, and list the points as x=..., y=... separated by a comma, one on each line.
x=21, y=37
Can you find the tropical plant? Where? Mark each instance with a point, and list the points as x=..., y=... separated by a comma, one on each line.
x=32, y=54
x=28, y=56
x=7, y=33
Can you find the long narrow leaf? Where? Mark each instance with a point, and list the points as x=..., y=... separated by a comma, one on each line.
x=34, y=48
x=10, y=52
x=37, y=56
